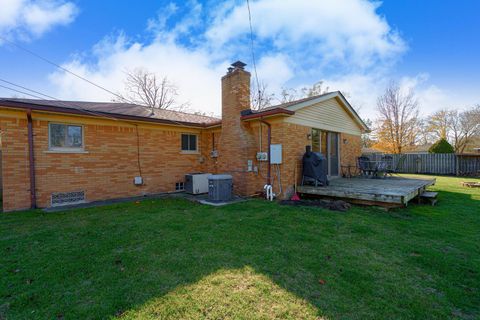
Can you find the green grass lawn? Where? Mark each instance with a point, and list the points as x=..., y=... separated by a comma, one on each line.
x=161, y=259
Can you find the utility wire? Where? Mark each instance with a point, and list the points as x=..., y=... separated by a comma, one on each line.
x=61, y=68
x=253, y=51
x=74, y=74
x=25, y=88
x=70, y=105
x=22, y=92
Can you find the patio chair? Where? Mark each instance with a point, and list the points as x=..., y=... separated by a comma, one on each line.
x=399, y=167
x=389, y=169
x=364, y=165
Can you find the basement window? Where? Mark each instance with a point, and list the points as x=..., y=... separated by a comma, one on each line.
x=189, y=142
x=179, y=186
x=65, y=137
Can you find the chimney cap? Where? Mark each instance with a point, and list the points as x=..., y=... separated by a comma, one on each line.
x=239, y=65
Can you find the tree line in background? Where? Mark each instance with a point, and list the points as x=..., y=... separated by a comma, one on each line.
x=399, y=128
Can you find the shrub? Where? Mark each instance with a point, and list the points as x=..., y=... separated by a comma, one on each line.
x=441, y=146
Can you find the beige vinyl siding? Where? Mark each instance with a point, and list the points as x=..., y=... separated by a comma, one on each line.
x=327, y=115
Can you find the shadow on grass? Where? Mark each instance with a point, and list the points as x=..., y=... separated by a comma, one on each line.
x=175, y=259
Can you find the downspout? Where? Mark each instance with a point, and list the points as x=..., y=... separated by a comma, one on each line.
x=33, y=196
x=269, y=142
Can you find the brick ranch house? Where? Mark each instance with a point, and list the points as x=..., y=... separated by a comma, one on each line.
x=94, y=151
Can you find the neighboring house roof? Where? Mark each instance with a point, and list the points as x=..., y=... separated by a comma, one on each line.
x=289, y=108
x=371, y=150
x=419, y=148
x=125, y=111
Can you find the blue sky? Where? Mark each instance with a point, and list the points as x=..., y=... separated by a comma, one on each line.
x=355, y=46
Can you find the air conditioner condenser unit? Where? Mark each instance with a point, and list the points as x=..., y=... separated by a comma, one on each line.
x=196, y=183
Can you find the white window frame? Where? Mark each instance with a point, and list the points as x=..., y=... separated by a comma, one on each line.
x=66, y=149
x=196, y=143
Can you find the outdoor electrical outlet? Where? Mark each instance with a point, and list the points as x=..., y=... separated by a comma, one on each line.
x=249, y=165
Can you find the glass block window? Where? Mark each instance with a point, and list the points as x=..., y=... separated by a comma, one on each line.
x=66, y=198
x=65, y=136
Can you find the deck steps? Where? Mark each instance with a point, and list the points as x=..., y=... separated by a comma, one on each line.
x=430, y=196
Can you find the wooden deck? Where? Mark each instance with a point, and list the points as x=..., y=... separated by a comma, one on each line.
x=390, y=192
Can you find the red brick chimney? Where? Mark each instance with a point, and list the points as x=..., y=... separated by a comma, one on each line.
x=235, y=137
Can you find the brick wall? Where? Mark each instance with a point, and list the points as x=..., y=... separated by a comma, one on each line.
x=293, y=138
x=350, y=149
x=107, y=168
x=15, y=164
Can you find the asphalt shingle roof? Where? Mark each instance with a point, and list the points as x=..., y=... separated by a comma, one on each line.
x=126, y=109
x=291, y=103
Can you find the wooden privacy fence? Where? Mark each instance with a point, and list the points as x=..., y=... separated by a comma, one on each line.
x=468, y=165
x=435, y=163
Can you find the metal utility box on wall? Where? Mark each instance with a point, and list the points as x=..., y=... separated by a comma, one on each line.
x=220, y=187
x=196, y=183
x=262, y=156
x=276, y=154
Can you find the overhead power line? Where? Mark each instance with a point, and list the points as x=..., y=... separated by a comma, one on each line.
x=71, y=105
x=252, y=48
x=31, y=90
x=38, y=56
x=62, y=68
x=19, y=91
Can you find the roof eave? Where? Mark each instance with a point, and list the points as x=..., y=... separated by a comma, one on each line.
x=265, y=114
x=99, y=114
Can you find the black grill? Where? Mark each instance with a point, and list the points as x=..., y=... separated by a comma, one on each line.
x=314, y=168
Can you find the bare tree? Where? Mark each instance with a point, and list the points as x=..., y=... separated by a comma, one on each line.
x=424, y=133
x=439, y=123
x=455, y=127
x=260, y=97
x=315, y=90
x=292, y=94
x=368, y=138
x=288, y=95
x=398, y=119
x=465, y=127
x=145, y=88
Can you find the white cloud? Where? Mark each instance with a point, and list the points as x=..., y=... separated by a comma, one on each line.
x=25, y=19
x=432, y=97
x=347, y=32
x=297, y=42
x=363, y=90
x=274, y=71
x=198, y=81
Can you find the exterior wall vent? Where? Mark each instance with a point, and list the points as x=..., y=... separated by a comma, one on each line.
x=67, y=198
